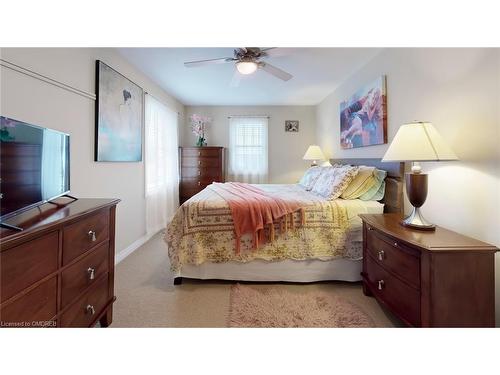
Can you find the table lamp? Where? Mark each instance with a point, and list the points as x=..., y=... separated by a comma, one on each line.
x=314, y=153
x=415, y=142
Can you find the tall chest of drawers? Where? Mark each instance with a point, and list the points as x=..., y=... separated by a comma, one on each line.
x=59, y=271
x=199, y=167
x=428, y=279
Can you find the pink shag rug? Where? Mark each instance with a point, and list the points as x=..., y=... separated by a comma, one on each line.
x=276, y=308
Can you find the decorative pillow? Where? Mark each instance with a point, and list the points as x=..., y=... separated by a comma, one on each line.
x=377, y=191
x=333, y=181
x=379, y=194
x=363, y=182
x=309, y=178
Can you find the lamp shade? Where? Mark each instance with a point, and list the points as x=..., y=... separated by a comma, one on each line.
x=246, y=67
x=418, y=141
x=314, y=153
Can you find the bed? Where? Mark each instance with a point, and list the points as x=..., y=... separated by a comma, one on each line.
x=327, y=246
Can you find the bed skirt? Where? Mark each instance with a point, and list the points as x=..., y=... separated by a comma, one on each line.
x=286, y=270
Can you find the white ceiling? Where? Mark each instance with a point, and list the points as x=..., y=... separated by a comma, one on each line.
x=316, y=73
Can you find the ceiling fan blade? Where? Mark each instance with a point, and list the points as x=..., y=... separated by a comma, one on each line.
x=194, y=64
x=235, y=81
x=277, y=72
x=267, y=49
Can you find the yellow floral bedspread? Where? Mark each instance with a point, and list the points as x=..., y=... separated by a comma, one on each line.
x=202, y=231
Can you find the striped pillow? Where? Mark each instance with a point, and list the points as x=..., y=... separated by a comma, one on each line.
x=363, y=182
x=377, y=191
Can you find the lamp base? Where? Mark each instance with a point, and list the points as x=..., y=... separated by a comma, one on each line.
x=416, y=221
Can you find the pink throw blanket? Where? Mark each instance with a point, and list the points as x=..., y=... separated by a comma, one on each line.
x=253, y=209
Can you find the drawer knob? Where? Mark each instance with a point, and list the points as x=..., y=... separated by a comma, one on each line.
x=370, y=228
x=92, y=235
x=199, y=183
x=91, y=272
x=90, y=309
x=199, y=173
x=199, y=153
x=381, y=255
x=395, y=244
x=199, y=162
x=381, y=284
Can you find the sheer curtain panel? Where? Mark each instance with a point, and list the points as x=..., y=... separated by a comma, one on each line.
x=248, y=149
x=161, y=164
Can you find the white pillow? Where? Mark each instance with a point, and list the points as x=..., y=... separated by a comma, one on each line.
x=333, y=181
x=309, y=178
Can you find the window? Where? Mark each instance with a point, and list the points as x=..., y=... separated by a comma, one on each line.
x=54, y=178
x=248, y=149
x=161, y=182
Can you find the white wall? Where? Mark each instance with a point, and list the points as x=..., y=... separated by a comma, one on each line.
x=458, y=90
x=30, y=100
x=286, y=149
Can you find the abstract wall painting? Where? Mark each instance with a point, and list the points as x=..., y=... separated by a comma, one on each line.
x=363, y=117
x=119, y=114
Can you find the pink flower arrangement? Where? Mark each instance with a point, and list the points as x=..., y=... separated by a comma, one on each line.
x=8, y=123
x=198, y=126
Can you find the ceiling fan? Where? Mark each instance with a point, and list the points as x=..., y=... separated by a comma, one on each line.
x=247, y=61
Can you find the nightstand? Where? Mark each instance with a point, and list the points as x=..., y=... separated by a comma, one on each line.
x=428, y=279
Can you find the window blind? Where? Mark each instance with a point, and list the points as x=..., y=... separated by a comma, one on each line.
x=248, y=159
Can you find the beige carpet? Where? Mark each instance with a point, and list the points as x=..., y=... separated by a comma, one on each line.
x=272, y=308
x=146, y=296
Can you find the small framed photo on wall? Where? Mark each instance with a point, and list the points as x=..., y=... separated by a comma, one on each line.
x=292, y=126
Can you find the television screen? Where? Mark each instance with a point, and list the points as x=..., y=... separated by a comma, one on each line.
x=34, y=165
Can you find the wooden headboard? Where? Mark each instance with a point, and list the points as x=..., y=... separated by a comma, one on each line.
x=393, y=197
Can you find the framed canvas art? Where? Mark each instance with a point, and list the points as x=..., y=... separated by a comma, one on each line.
x=363, y=116
x=119, y=114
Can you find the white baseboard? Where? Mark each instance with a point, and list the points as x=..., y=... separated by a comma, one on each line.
x=132, y=247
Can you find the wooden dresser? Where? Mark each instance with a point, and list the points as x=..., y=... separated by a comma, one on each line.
x=428, y=279
x=199, y=167
x=59, y=271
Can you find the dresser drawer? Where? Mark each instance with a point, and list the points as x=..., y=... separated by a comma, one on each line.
x=201, y=152
x=85, y=234
x=399, y=296
x=85, y=272
x=23, y=265
x=392, y=255
x=188, y=192
x=201, y=162
x=84, y=311
x=198, y=185
x=194, y=184
x=34, y=309
x=195, y=172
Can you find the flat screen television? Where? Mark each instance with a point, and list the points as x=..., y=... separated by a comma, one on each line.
x=34, y=166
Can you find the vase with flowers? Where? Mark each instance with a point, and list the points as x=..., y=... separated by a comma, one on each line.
x=199, y=125
x=5, y=125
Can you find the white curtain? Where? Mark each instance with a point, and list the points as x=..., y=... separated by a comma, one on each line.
x=53, y=164
x=161, y=163
x=248, y=149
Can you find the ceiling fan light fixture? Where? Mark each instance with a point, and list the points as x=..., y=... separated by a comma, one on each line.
x=246, y=67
